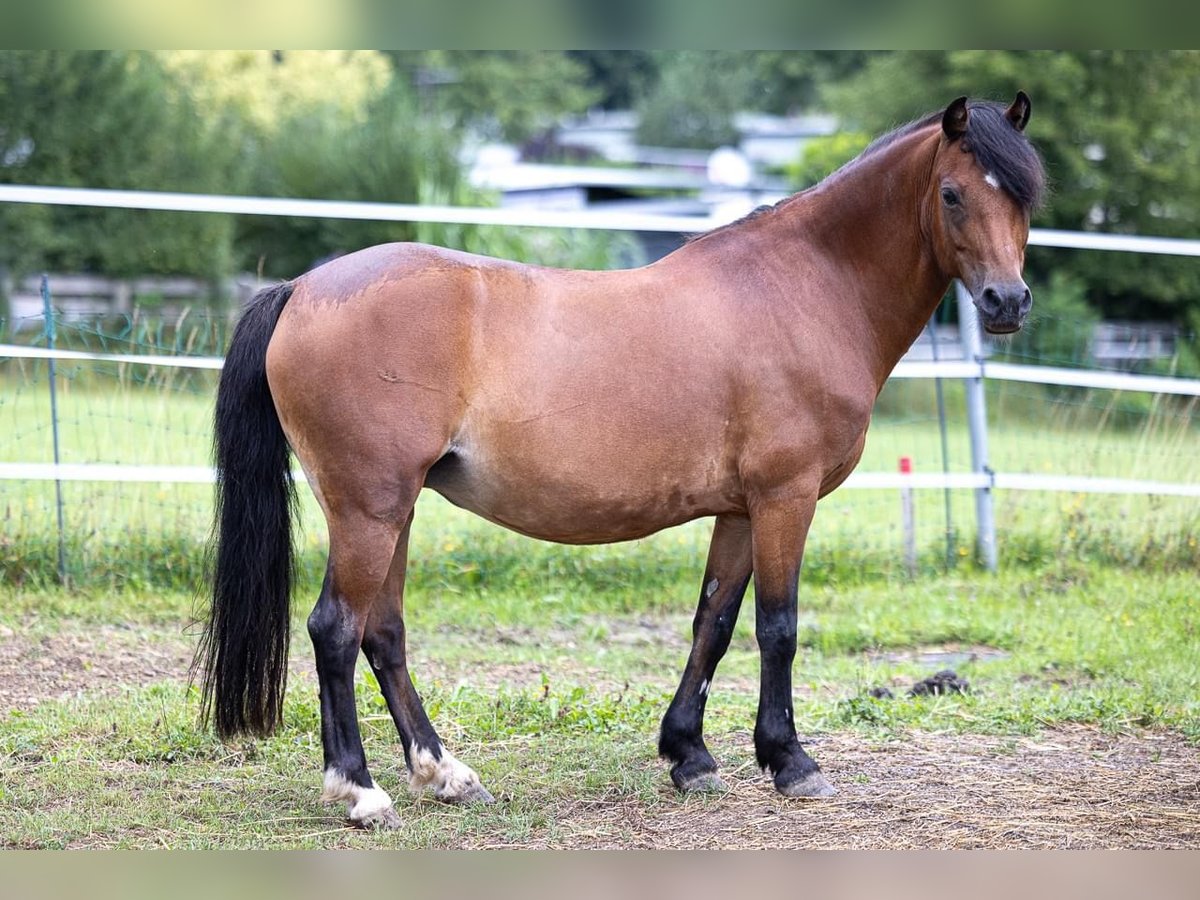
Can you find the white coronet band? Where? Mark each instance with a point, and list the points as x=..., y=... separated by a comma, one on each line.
x=362, y=804
x=450, y=779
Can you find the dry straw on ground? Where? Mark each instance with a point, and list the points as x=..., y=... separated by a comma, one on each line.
x=1074, y=787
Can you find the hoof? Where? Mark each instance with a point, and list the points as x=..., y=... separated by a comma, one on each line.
x=475, y=793
x=452, y=782
x=704, y=783
x=813, y=785
x=384, y=819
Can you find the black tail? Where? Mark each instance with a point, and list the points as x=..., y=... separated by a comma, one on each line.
x=245, y=644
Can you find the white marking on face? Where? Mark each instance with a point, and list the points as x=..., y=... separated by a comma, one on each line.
x=450, y=779
x=362, y=804
x=992, y=180
x=704, y=685
x=711, y=588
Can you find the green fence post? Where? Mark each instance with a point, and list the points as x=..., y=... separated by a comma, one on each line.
x=51, y=336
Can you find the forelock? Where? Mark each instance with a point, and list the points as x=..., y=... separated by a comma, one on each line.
x=1005, y=153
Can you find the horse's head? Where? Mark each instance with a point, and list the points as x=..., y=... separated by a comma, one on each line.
x=986, y=181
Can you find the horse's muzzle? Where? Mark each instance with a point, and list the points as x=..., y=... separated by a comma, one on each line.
x=1004, y=306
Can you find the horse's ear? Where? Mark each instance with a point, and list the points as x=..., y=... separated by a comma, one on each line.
x=954, y=120
x=1018, y=113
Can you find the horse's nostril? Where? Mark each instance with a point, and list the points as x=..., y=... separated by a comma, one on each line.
x=1026, y=302
x=990, y=301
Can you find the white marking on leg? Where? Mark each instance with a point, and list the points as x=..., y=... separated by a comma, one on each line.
x=704, y=688
x=711, y=588
x=992, y=180
x=363, y=805
x=450, y=779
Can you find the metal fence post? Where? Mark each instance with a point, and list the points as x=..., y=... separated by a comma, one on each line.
x=51, y=335
x=972, y=343
x=939, y=396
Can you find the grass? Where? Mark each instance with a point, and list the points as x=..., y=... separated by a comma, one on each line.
x=547, y=668
x=550, y=680
x=152, y=534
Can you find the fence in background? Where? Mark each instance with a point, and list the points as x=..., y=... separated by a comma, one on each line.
x=972, y=368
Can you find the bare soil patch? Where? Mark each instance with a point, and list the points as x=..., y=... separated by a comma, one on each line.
x=103, y=659
x=1068, y=788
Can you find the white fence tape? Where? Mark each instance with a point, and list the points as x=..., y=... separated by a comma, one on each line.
x=107, y=472
x=1089, y=378
x=1119, y=381
x=1017, y=481
x=469, y=215
x=145, y=359
x=615, y=221
x=344, y=209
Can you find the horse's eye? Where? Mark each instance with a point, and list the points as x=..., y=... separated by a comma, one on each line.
x=949, y=196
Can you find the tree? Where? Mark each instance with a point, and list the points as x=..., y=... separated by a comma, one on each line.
x=694, y=100
x=823, y=155
x=510, y=95
x=110, y=120
x=265, y=89
x=385, y=152
x=790, y=81
x=1120, y=133
x=619, y=77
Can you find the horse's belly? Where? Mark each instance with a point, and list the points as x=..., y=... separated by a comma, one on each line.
x=576, y=505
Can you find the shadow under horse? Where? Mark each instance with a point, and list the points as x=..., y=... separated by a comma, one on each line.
x=733, y=378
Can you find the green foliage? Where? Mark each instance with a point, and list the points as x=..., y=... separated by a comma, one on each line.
x=109, y=119
x=790, y=81
x=823, y=155
x=505, y=94
x=1120, y=133
x=693, y=102
x=392, y=154
x=619, y=76
x=297, y=124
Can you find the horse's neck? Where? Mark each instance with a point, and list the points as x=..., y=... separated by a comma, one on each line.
x=866, y=221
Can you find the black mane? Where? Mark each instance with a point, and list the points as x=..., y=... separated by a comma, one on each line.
x=998, y=147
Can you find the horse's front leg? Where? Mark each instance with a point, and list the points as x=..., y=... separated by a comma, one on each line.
x=725, y=578
x=779, y=526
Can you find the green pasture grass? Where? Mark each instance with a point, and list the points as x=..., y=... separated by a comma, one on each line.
x=554, y=705
x=134, y=535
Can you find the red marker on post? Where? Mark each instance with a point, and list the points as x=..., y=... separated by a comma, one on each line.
x=908, y=519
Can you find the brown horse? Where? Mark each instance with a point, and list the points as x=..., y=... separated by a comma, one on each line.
x=734, y=378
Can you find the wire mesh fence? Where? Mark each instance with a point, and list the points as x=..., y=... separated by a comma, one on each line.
x=138, y=416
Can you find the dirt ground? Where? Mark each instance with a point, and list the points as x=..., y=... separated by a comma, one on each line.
x=104, y=660
x=1069, y=787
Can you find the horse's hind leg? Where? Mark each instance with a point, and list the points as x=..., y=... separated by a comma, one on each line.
x=360, y=550
x=430, y=764
x=725, y=578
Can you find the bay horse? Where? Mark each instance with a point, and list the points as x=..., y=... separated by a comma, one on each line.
x=733, y=378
